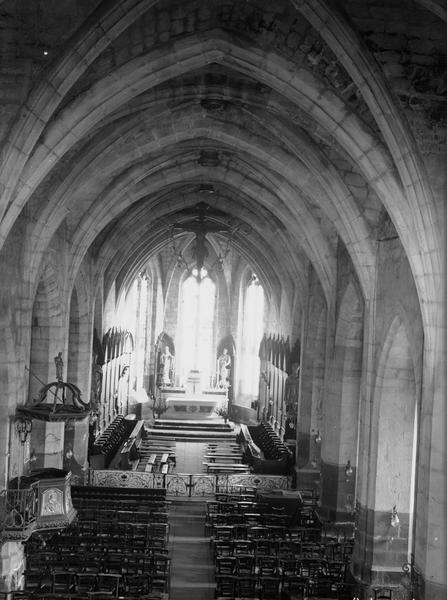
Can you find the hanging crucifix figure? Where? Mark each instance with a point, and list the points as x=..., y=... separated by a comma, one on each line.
x=200, y=226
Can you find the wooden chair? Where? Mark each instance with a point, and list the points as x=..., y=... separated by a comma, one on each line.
x=137, y=584
x=322, y=588
x=243, y=547
x=161, y=565
x=245, y=564
x=289, y=566
x=336, y=570
x=223, y=548
x=263, y=547
x=256, y=532
x=225, y=586
x=246, y=587
x=269, y=588
x=108, y=583
x=63, y=581
x=294, y=585
x=85, y=582
x=383, y=594
x=226, y=565
x=223, y=533
x=267, y=566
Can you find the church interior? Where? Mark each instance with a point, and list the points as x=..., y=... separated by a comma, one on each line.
x=222, y=252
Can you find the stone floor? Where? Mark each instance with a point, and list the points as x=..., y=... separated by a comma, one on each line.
x=192, y=570
x=189, y=456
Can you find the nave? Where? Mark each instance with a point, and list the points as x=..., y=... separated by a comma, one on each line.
x=227, y=210
x=131, y=544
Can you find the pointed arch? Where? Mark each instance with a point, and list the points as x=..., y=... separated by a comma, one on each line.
x=250, y=332
x=395, y=424
x=46, y=330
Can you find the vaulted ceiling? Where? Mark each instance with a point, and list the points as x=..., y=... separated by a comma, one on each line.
x=286, y=117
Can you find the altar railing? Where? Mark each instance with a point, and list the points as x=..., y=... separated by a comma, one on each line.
x=187, y=484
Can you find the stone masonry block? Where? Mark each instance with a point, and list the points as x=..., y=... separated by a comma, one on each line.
x=355, y=179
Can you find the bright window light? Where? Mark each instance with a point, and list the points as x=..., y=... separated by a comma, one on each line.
x=196, y=327
x=251, y=337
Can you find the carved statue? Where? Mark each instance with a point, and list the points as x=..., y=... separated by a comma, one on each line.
x=121, y=395
x=291, y=391
x=59, y=366
x=223, y=368
x=166, y=361
x=96, y=388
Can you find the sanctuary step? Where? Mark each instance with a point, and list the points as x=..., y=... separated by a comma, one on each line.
x=211, y=429
x=208, y=425
x=193, y=433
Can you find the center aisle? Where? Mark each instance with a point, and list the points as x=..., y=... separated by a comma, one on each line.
x=192, y=570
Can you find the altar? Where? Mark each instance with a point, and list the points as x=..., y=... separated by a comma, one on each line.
x=191, y=401
x=181, y=405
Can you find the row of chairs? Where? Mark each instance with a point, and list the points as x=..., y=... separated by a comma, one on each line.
x=270, y=561
x=101, y=513
x=93, y=595
x=230, y=587
x=111, y=554
x=237, y=505
x=268, y=565
x=120, y=495
x=112, y=561
x=149, y=530
x=278, y=548
x=285, y=549
x=112, y=584
x=247, y=532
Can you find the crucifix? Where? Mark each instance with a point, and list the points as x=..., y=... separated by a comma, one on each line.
x=200, y=225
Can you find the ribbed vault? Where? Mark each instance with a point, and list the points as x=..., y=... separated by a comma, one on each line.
x=126, y=129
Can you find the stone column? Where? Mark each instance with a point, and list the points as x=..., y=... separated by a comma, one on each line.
x=341, y=410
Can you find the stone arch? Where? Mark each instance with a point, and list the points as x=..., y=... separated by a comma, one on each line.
x=309, y=420
x=118, y=347
x=80, y=330
x=349, y=338
x=359, y=63
x=342, y=404
x=73, y=340
x=125, y=191
x=49, y=92
x=372, y=158
x=338, y=204
x=318, y=363
x=395, y=424
x=46, y=331
x=10, y=382
x=243, y=351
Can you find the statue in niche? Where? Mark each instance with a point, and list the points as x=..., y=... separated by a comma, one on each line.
x=164, y=374
x=223, y=369
x=59, y=366
x=166, y=362
x=121, y=395
x=291, y=392
x=97, y=378
x=96, y=388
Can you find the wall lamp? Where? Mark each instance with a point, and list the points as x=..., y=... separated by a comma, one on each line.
x=318, y=437
x=23, y=428
x=394, y=517
x=348, y=469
